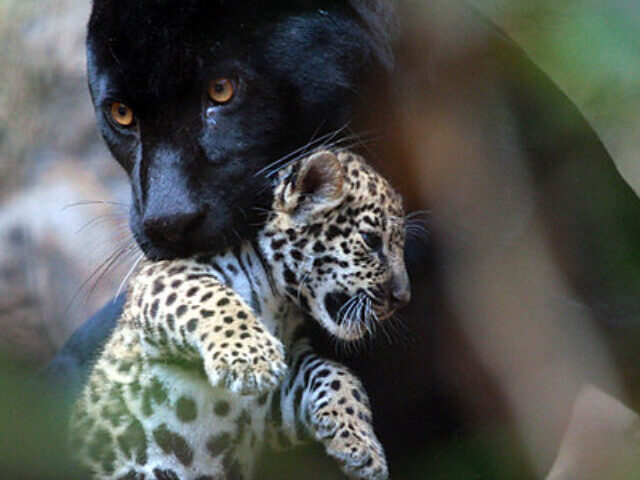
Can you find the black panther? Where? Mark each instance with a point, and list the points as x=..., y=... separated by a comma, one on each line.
x=195, y=98
x=199, y=101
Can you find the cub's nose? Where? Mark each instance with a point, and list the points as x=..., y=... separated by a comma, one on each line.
x=171, y=230
x=400, y=289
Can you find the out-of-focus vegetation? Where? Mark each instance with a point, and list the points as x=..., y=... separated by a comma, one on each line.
x=33, y=425
x=591, y=50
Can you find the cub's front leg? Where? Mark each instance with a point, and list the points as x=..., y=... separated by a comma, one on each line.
x=183, y=311
x=329, y=401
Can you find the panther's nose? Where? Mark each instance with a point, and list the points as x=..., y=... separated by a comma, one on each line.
x=170, y=230
x=173, y=214
x=400, y=289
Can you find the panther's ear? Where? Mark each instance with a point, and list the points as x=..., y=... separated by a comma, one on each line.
x=318, y=184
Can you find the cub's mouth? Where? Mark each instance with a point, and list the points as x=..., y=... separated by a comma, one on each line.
x=334, y=303
x=354, y=316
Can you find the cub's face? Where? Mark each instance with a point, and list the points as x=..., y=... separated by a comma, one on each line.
x=196, y=97
x=336, y=239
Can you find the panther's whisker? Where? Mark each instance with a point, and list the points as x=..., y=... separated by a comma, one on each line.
x=417, y=227
x=98, y=242
x=124, y=254
x=262, y=210
x=85, y=203
x=355, y=140
x=299, y=150
x=383, y=327
x=344, y=306
x=364, y=142
x=421, y=235
x=99, y=271
x=129, y=273
x=243, y=212
x=100, y=219
x=237, y=234
x=313, y=137
x=342, y=143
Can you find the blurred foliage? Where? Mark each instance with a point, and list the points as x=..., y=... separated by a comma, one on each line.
x=591, y=50
x=593, y=53
x=33, y=426
x=486, y=454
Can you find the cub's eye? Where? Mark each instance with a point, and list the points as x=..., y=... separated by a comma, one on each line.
x=121, y=114
x=373, y=241
x=222, y=90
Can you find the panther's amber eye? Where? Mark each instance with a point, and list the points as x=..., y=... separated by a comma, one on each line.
x=121, y=114
x=222, y=90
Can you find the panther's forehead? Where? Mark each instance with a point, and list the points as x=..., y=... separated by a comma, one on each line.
x=176, y=43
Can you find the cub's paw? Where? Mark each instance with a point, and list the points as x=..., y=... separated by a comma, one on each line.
x=351, y=441
x=247, y=365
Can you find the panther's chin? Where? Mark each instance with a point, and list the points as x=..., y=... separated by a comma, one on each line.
x=157, y=251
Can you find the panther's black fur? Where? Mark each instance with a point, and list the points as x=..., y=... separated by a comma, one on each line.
x=195, y=167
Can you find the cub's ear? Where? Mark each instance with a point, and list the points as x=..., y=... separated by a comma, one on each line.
x=318, y=185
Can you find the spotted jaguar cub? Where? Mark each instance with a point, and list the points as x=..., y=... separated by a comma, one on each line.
x=195, y=377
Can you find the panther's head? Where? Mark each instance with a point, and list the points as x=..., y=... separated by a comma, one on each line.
x=335, y=239
x=196, y=98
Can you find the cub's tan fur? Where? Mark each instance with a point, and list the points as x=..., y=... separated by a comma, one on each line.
x=194, y=378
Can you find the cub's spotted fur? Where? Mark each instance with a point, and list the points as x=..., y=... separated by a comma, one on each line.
x=195, y=378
